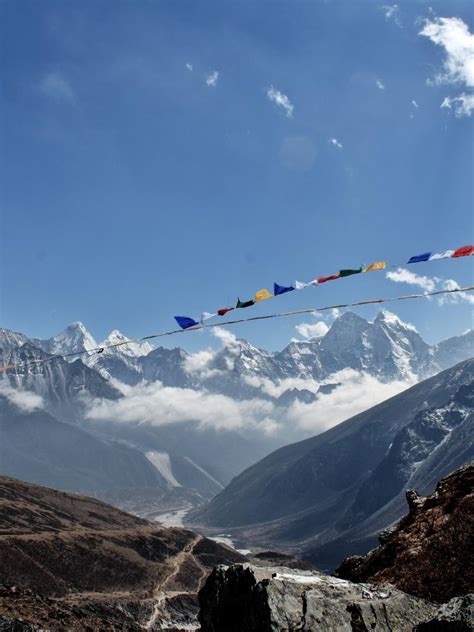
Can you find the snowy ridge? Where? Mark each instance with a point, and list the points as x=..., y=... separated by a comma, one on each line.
x=133, y=349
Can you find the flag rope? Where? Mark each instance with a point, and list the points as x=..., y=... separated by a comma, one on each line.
x=185, y=322
x=295, y=312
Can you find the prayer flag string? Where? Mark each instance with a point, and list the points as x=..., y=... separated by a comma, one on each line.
x=186, y=322
x=197, y=326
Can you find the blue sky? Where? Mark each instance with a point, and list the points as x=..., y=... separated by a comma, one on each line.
x=138, y=184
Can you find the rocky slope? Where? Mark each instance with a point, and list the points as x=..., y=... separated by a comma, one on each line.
x=330, y=495
x=257, y=599
x=71, y=562
x=430, y=552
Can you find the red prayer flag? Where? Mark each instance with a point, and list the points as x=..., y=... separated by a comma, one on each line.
x=465, y=251
x=223, y=312
x=9, y=366
x=329, y=278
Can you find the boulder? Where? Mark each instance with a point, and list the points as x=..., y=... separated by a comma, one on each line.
x=256, y=599
x=455, y=616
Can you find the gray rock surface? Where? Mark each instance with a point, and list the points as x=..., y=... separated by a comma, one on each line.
x=255, y=599
x=455, y=616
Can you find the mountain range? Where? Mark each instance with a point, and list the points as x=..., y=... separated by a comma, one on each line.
x=189, y=461
x=330, y=495
x=386, y=348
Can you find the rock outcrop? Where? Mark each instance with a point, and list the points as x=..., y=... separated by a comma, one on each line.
x=455, y=616
x=430, y=553
x=256, y=599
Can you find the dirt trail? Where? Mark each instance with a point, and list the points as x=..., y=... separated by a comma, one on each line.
x=163, y=590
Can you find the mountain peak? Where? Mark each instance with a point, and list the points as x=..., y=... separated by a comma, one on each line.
x=350, y=317
x=391, y=319
x=77, y=324
x=114, y=336
x=347, y=323
x=134, y=349
x=75, y=338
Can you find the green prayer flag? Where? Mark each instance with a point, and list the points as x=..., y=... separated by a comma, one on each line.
x=244, y=303
x=344, y=273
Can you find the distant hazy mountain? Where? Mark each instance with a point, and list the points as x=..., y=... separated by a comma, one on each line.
x=37, y=447
x=342, y=487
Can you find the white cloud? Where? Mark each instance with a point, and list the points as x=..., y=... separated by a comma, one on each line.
x=379, y=84
x=458, y=297
x=454, y=36
x=335, y=142
x=415, y=104
x=160, y=405
x=26, y=401
x=227, y=338
x=275, y=389
x=189, y=67
x=212, y=79
x=281, y=100
x=392, y=12
x=157, y=405
x=463, y=104
x=56, y=87
x=312, y=330
x=458, y=66
x=401, y=275
x=431, y=284
x=197, y=361
x=357, y=392
x=319, y=328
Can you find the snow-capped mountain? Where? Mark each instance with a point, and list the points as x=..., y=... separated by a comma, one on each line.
x=119, y=362
x=386, y=348
x=132, y=349
x=64, y=386
x=74, y=339
x=10, y=340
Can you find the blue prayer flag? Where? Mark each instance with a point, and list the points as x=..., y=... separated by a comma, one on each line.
x=281, y=289
x=417, y=258
x=184, y=322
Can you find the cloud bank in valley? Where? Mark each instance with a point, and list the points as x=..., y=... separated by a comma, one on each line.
x=160, y=405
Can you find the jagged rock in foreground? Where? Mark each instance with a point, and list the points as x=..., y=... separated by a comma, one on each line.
x=455, y=616
x=255, y=599
x=74, y=563
x=430, y=553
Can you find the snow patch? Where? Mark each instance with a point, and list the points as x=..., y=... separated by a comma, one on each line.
x=162, y=462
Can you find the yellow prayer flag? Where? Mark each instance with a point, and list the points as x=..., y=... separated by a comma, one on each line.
x=378, y=265
x=261, y=295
